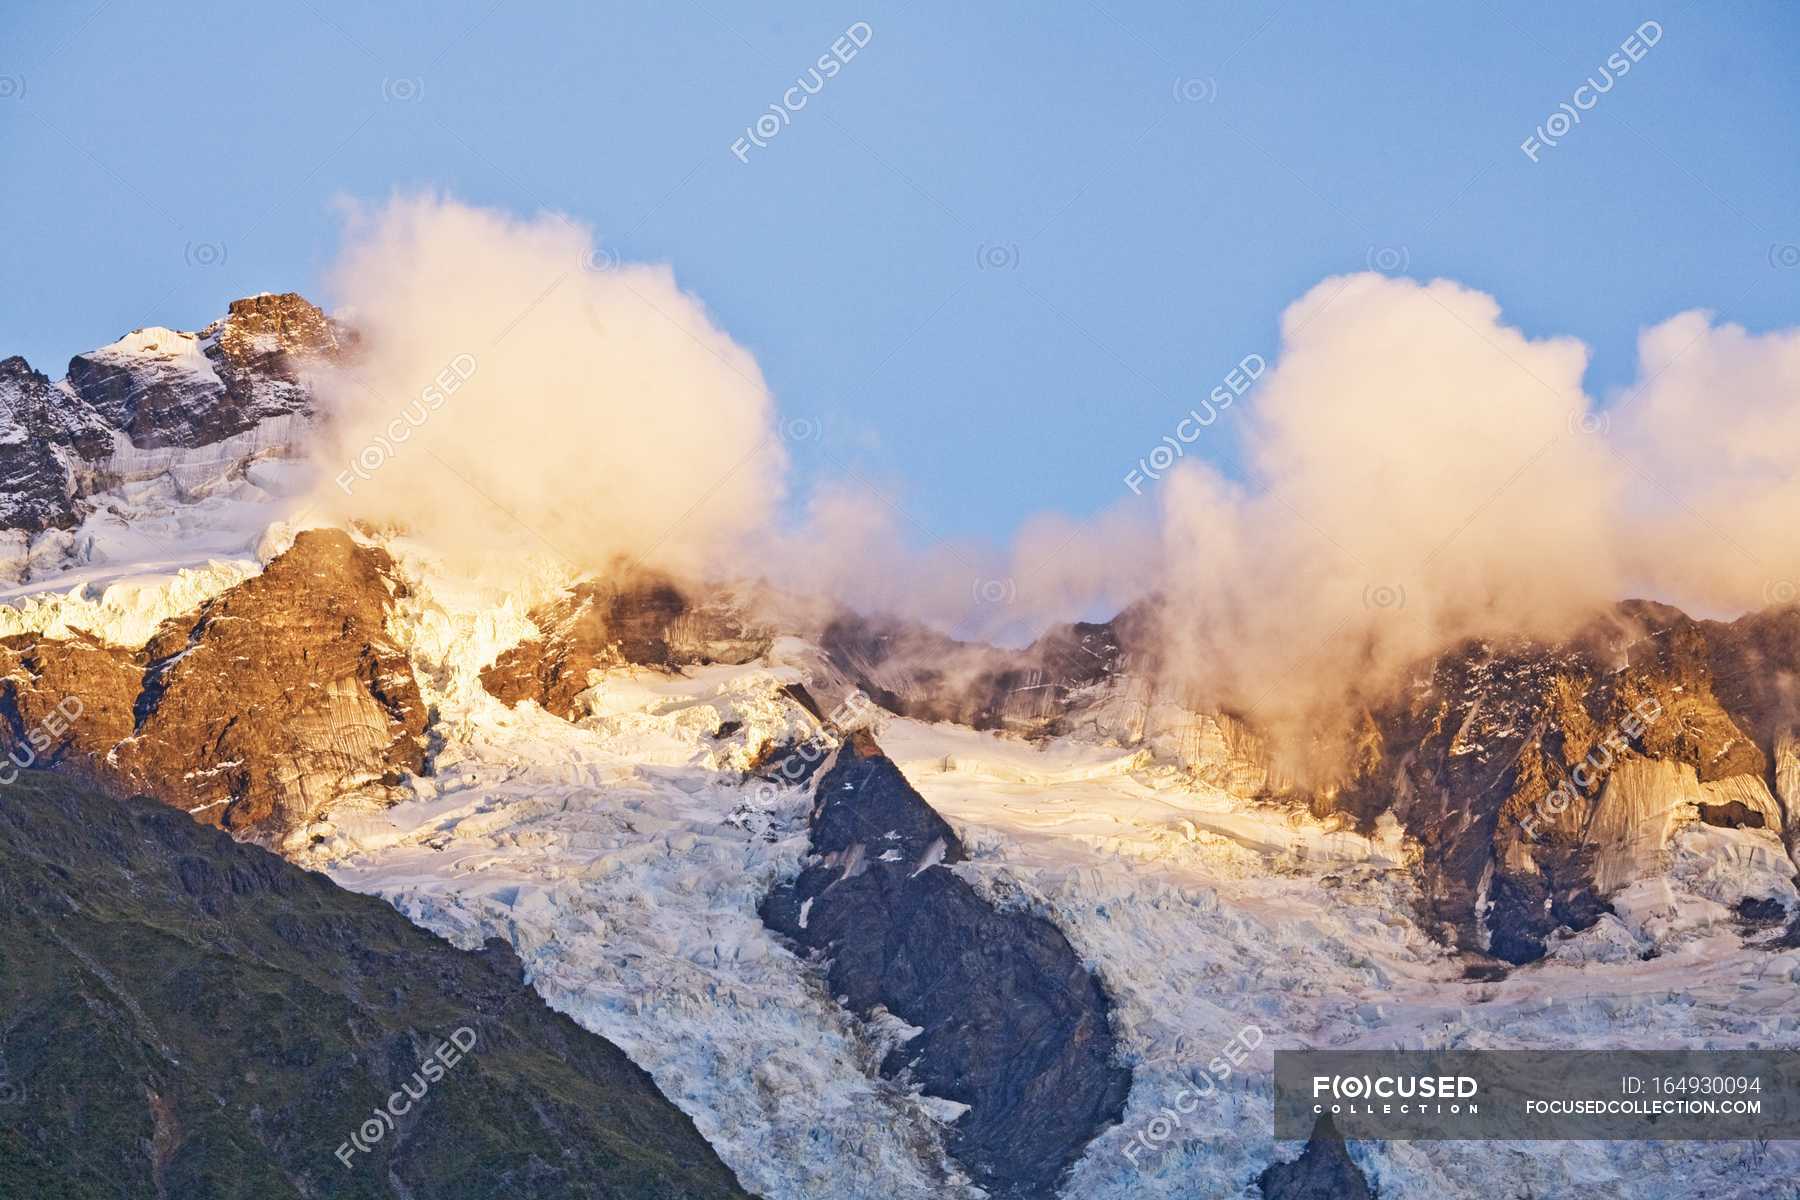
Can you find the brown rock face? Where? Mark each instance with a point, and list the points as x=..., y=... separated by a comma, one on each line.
x=262, y=347
x=275, y=698
x=1539, y=779
x=284, y=693
x=649, y=621
x=64, y=699
x=1467, y=764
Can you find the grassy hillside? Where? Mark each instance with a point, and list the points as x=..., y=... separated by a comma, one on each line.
x=188, y=1018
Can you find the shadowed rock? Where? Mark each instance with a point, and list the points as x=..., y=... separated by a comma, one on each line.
x=1010, y=1022
x=1324, y=1171
x=43, y=432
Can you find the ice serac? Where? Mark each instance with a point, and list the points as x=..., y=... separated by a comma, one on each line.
x=276, y=698
x=641, y=619
x=191, y=1017
x=1010, y=1023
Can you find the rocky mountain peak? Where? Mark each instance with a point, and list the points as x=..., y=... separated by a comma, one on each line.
x=285, y=321
x=187, y=413
x=163, y=387
x=264, y=344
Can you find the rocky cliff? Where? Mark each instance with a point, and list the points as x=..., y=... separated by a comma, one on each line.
x=275, y=698
x=1004, y=1019
x=161, y=387
x=1541, y=780
x=46, y=438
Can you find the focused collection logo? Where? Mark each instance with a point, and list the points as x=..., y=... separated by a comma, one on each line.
x=1387, y=1094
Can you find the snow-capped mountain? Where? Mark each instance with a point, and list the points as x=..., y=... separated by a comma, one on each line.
x=148, y=445
x=971, y=937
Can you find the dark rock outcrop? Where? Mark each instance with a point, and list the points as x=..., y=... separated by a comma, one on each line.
x=185, y=1016
x=1011, y=1023
x=1733, y=814
x=46, y=438
x=278, y=696
x=1324, y=1171
x=647, y=620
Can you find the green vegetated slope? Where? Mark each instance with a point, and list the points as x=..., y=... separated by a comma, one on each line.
x=188, y=1018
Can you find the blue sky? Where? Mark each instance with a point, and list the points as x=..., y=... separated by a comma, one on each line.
x=998, y=254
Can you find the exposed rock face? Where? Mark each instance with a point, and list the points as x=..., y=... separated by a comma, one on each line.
x=1541, y=779
x=283, y=694
x=274, y=699
x=648, y=621
x=45, y=434
x=160, y=387
x=1010, y=1022
x=186, y=1016
x=262, y=348
x=78, y=695
x=1324, y=1171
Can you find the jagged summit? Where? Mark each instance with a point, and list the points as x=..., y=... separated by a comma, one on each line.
x=158, y=420
x=162, y=387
